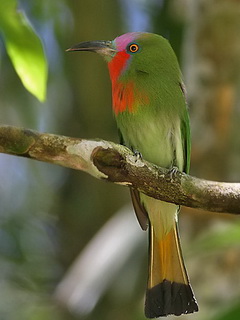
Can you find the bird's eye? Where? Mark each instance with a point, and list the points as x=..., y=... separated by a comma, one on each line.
x=133, y=48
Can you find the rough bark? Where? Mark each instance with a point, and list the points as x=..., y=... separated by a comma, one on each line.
x=109, y=161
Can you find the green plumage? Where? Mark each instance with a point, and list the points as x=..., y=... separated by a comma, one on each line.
x=158, y=129
x=156, y=124
x=151, y=113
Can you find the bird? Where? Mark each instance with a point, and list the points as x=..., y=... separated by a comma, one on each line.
x=151, y=113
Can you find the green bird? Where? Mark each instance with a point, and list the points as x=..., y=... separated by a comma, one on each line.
x=150, y=109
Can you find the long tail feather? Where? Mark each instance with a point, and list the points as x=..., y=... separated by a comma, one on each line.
x=169, y=291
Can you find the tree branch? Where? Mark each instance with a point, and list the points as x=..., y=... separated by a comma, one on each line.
x=116, y=163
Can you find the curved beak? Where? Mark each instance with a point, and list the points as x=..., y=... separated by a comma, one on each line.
x=105, y=48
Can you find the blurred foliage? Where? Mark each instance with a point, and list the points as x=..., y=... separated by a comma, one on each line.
x=49, y=214
x=170, y=22
x=217, y=238
x=24, y=48
x=231, y=314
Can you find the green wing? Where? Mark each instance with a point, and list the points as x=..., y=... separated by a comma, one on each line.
x=186, y=133
x=186, y=141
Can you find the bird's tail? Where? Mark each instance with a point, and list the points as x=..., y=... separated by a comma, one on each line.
x=169, y=291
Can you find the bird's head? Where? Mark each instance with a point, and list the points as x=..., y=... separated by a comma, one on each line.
x=139, y=64
x=133, y=53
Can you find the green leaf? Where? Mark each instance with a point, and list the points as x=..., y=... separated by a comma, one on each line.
x=24, y=48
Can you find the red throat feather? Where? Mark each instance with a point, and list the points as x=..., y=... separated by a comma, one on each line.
x=117, y=65
x=124, y=94
x=123, y=97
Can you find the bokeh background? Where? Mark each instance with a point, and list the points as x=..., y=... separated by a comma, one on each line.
x=70, y=246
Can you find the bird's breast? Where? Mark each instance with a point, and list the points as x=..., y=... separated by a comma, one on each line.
x=157, y=137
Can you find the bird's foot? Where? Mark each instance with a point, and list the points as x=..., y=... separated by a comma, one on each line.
x=172, y=172
x=137, y=155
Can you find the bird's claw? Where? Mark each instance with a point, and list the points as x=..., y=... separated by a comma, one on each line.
x=172, y=172
x=138, y=155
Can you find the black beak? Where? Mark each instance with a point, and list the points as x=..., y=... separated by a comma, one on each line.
x=102, y=47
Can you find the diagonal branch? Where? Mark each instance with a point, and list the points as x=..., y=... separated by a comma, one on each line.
x=116, y=163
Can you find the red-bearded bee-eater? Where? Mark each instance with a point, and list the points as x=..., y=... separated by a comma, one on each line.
x=150, y=109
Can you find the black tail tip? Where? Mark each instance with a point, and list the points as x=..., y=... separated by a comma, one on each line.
x=170, y=298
